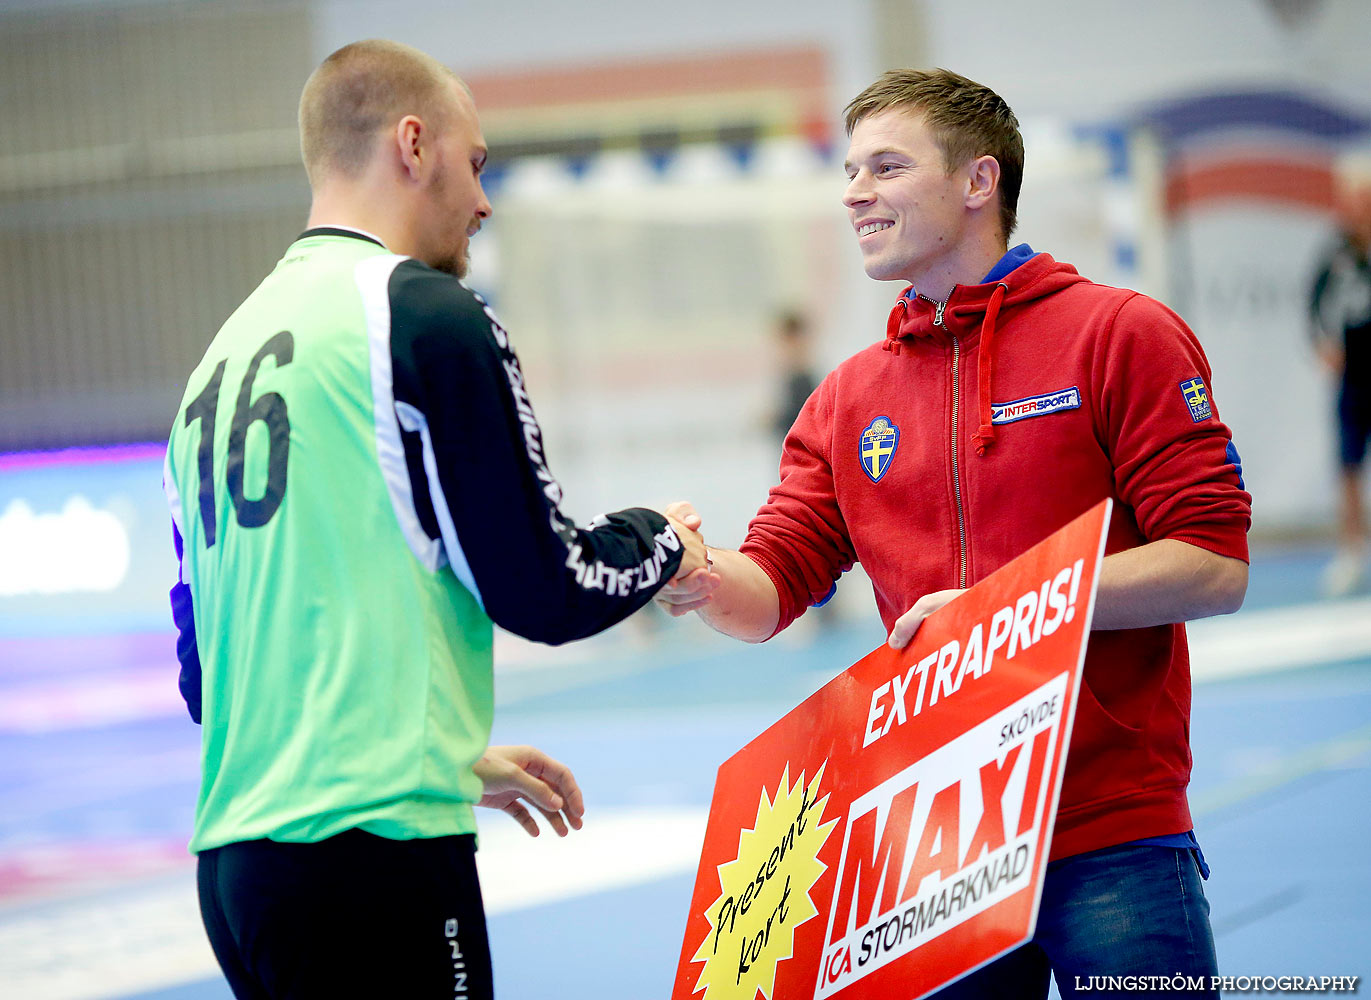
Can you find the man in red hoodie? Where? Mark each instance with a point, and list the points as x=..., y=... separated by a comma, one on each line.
x=1010, y=395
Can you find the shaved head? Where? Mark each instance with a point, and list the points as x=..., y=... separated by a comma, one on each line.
x=358, y=93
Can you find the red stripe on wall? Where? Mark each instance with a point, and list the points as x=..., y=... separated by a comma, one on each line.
x=799, y=69
x=1304, y=185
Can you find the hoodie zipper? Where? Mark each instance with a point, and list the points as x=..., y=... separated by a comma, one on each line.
x=938, y=309
x=956, y=472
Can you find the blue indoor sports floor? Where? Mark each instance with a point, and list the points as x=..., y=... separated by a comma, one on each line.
x=98, y=772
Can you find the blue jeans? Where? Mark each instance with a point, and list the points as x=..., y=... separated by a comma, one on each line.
x=1122, y=911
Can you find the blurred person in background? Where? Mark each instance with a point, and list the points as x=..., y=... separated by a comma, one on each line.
x=359, y=490
x=1009, y=396
x=795, y=348
x=1340, y=315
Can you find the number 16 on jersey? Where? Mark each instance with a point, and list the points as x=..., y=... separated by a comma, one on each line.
x=270, y=408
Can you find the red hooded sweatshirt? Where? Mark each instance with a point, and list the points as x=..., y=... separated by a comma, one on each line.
x=1017, y=407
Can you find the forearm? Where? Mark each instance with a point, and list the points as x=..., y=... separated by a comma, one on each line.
x=744, y=605
x=1167, y=581
x=481, y=484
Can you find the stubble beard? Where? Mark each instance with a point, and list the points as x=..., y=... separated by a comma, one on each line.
x=455, y=265
x=456, y=262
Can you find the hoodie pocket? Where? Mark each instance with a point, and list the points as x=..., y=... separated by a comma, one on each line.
x=1107, y=757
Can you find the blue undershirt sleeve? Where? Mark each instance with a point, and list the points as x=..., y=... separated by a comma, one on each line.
x=183, y=615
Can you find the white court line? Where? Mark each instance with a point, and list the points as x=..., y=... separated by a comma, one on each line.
x=1264, y=642
x=1291, y=638
x=151, y=938
x=106, y=946
x=617, y=848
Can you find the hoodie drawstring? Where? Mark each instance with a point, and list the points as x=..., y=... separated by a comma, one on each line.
x=985, y=434
x=893, y=324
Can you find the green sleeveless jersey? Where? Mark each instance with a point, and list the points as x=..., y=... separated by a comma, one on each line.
x=358, y=488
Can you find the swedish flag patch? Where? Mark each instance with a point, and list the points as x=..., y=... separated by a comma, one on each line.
x=1197, y=398
x=879, y=440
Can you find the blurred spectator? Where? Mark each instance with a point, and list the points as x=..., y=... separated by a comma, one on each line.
x=1340, y=310
x=798, y=380
x=795, y=348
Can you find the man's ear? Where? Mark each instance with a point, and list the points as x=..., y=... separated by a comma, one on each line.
x=983, y=181
x=409, y=143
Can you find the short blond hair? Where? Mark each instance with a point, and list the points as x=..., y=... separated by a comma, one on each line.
x=967, y=119
x=357, y=92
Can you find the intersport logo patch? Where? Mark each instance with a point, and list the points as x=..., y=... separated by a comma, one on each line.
x=1035, y=406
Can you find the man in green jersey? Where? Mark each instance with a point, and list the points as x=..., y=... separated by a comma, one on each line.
x=359, y=490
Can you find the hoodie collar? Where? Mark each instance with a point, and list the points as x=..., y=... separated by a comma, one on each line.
x=1005, y=266
x=1012, y=258
x=1030, y=275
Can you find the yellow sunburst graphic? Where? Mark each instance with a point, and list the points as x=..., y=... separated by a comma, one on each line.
x=765, y=892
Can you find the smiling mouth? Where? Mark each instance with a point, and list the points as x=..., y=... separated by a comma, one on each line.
x=873, y=227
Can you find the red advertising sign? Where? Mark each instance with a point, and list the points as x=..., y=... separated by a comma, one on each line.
x=890, y=834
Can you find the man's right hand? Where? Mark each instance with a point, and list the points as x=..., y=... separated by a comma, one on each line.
x=732, y=593
x=695, y=579
x=687, y=593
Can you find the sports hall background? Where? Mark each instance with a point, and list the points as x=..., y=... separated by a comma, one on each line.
x=665, y=177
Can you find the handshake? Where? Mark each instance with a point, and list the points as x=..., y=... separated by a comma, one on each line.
x=696, y=579
x=733, y=594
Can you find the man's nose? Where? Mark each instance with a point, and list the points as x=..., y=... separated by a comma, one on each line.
x=857, y=192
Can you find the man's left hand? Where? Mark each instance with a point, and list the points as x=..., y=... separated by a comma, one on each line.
x=510, y=775
x=908, y=623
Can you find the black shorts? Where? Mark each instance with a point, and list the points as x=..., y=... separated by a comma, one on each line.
x=1354, y=424
x=353, y=916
